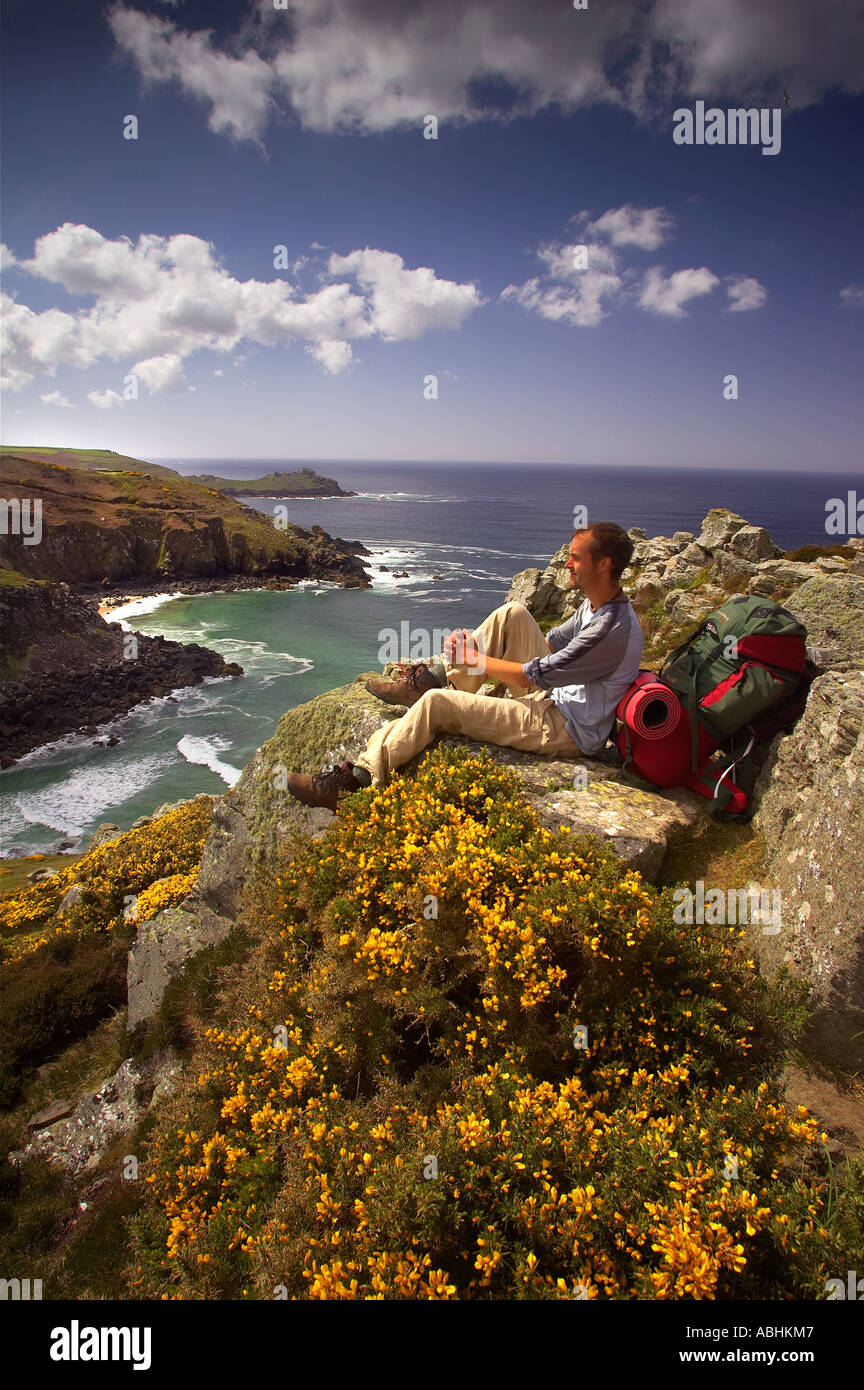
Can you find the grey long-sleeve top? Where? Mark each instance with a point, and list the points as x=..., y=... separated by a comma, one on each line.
x=595, y=660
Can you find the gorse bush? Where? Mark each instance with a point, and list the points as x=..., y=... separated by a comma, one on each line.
x=396, y=1102
x=165, y=892
x=63, y=971
x=107, y=877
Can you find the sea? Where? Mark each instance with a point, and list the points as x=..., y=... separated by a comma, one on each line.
x=460, y=531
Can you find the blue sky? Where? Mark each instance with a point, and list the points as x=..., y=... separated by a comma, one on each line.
x=153, y=258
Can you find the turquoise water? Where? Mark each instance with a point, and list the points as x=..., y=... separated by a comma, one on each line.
x=474, y=527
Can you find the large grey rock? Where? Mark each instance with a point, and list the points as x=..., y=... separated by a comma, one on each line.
x=678, y=573
x=161, y=950
x=524, y=588
x=687, y=607
x=732, y=570
x=753, y=543
x=831, y=607
x=696, y=554
x=70, y=900
x=719, y=527
x=78, y=1143
x=103, y=835
x=639, y=825
x=546, y=593
x=810, y=814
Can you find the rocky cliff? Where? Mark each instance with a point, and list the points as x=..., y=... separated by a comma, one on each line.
x=108, y=527
x=303, y=482
x=811, y=794
x=63, y=669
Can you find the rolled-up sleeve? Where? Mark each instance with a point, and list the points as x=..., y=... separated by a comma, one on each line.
x=595, y=652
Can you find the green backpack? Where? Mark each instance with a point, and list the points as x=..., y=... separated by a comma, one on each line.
x=744, y=669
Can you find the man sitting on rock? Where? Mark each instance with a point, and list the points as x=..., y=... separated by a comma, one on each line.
x=565, y=686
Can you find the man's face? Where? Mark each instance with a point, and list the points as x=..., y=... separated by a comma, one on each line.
x=580, y=562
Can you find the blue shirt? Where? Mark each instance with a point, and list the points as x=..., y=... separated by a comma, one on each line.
x=594, y=661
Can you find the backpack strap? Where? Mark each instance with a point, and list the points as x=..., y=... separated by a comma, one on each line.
x=693, y=707
x=679, y=651
x=729, y=798
x=690, y=698
x=628, y=745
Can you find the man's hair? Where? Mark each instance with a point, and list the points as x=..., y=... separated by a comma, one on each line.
x=608, y=538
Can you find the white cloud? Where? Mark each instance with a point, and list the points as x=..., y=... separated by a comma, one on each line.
x=160, y=299
x=580, y=302
x=583, y=281
x=7, y=257
x=161, y=374
x=646, y=228
x=236, y=88
x=755, y=51
x=564, y=261
x=217, y=371
x=668, y=296
x=370, y=65
x=852, y=297
x=405, y=303
x=745, y=293
x=104, y=400
x=334, y=356
x=56, y=398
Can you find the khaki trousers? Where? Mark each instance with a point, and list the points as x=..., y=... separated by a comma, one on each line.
x=530, y=722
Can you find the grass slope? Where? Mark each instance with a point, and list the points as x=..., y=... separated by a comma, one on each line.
x=304, y=482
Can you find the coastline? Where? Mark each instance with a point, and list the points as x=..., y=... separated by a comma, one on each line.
x=114, y=607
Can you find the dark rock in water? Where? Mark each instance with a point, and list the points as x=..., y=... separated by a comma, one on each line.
x=80, y=667
x=384, y=569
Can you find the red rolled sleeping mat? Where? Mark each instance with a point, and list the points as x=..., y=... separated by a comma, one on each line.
x=650, y=708
x=654, y=738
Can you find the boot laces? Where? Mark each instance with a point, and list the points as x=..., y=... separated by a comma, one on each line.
x=337, y=779
x=412, y=673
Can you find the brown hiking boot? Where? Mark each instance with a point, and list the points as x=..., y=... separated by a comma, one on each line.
x=325, y=788
x=415, y=680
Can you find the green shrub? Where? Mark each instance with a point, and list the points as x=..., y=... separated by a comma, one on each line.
x=393, y=1100
x=52, y=998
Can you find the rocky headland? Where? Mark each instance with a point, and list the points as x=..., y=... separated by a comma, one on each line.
x=100, y=531
x=302, y=482
x=64, y=670
x=108, y=528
